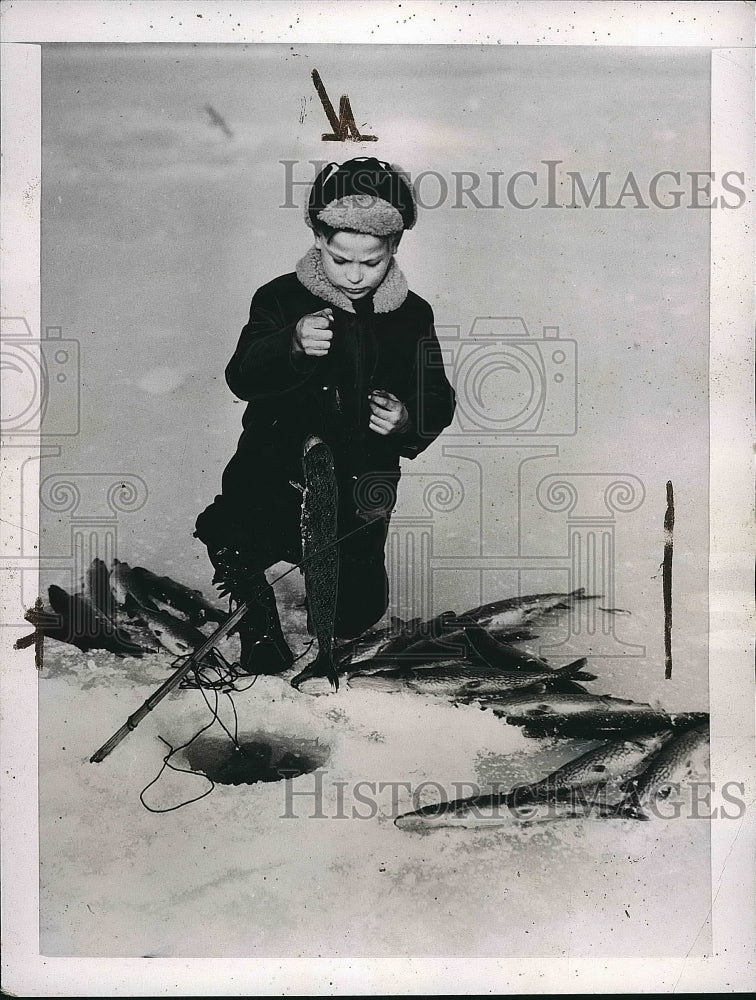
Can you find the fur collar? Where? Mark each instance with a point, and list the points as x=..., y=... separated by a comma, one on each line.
x=389, y=295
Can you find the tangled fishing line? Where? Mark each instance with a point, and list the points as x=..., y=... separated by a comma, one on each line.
x=224, y=682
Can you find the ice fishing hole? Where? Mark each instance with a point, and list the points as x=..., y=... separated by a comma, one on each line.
x=258, y=757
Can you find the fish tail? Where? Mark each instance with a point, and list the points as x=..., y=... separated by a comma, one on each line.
x=631, y=808
x=321, y=666
x=572, y=668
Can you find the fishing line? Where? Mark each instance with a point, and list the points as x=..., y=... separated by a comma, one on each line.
x=306, y=650
x=201, y=684
x=182, y=770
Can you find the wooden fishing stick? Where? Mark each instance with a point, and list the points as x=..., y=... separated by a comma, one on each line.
x=133, y=720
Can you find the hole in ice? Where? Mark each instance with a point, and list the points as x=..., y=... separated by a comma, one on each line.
x=259, y=758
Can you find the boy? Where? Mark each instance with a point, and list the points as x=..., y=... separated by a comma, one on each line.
x=340, y=349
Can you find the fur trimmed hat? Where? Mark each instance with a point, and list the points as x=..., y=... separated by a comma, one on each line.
x=363, y=195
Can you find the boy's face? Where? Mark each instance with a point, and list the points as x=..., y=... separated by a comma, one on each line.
x=355, y=262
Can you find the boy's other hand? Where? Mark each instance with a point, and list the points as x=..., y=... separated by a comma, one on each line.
x=313, y=334
x=388, y=415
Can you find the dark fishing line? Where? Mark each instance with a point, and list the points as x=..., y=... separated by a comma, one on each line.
x=306, y=650
x=201, y=683
x=183, y=770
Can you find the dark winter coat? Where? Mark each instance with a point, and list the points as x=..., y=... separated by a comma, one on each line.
x=388, y=343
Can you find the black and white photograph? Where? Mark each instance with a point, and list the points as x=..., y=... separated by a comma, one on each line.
x=377, y=590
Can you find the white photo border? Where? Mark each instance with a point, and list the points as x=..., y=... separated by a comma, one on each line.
x=729, y=30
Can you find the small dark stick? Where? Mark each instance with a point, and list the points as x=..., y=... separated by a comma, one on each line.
x=669, y=524
x=39, y=639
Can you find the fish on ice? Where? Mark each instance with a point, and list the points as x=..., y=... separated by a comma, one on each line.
x=589, y=785
x=452, y=679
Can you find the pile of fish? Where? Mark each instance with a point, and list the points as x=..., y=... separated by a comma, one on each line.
x=621, y=779
x=443, y=655
x=645, y=753
x=472, y=657
x=126, y=610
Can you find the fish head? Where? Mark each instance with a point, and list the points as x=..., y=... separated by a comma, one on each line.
x=470, y=813
x=431, y=817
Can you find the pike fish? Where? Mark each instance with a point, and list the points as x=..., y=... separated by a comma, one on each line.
x=504, y=656
x=320, y=556
x=518, y=610
x=583, y=787
x=568, y=714
x=168, y=592
x=394, y=638
x=684, y=759
x=454, y=645
x=78, y=622
x=174, y=634
x=609, y=764
x=505, y=809
x=451, y=679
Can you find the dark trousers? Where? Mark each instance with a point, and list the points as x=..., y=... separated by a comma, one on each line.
x=259, y=538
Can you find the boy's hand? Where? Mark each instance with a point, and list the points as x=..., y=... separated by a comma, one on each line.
x=313, y=333
x=388, y=415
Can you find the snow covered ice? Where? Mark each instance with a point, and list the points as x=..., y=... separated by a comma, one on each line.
x=315, y=865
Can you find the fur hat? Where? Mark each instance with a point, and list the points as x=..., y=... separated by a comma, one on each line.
x=363, y=195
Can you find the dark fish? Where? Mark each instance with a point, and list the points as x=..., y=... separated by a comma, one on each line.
x=452, y=646
x=376, y=649
x=456, y=680
x=192, y=603
x=80, y=623
x=505, y=656
x=97, y=585
x=518, y=610
x=681, y=721
x=416, y=631
x=684, y=759
x=395, y=637
x=320, y=556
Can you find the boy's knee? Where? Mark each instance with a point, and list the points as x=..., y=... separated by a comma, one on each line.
x=363, y=596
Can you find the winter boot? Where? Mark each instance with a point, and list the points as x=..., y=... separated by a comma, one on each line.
x=264, y=649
